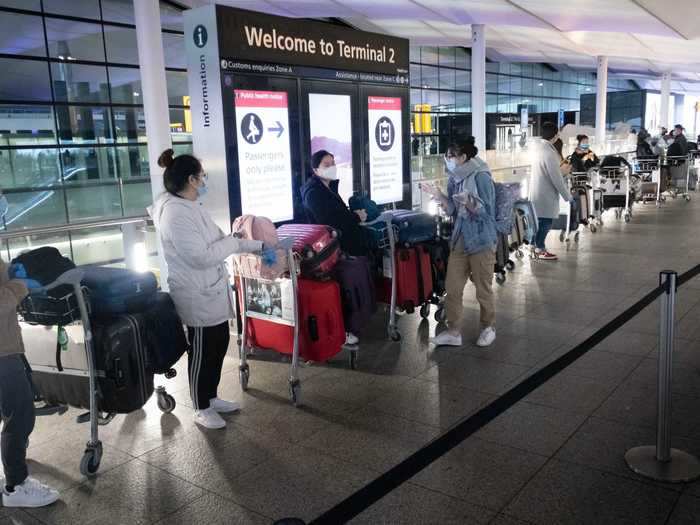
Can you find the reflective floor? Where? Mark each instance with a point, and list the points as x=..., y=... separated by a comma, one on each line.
x=555, y=458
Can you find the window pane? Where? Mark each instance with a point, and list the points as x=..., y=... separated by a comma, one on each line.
x=79, y=83
x=415, y=97
x=447, y=101
x=447, y=78
x=182, y=149
x=28, y=167
x=97, y=245
x=491, y=83
x=26, y=125
x=171, y=17
x=447, y=56
x=177, y=88
x=35, y=208
x=463, y=58
x=24, y=80
x=429, y=55
x=414, y=54
x=76, y=40
x=174, y=50
x=121, y=45
x=463, y=102
x=83, y=125
x=431, y=97
x=81, y=8
x=180, y=125
x=429, y=77
x=415, y=75
x=463, y=80
x=130, y=124
x=29, y=5
x=125, y=84
x=22, y=35
x=83, y=165
x=137, y=197
x=118, y=11
x=133, y=163
x=503, y=85
x=93, y=202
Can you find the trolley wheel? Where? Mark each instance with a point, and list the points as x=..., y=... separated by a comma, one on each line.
x=90, y=462
x=519, y=254
x=244, y=376
x=593, y=228
x=510, y=265
x=425, y=310
x=353, y=359
x=170, y=374
x=687, y=198
x=627, y=217
x=295, y=392
x=562, y=236
x=394, y=334
x=166, y=402
x=440, y=315
x=500, y=277
x=576, y=236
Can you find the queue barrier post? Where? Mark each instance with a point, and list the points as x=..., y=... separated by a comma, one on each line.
x=661, y=462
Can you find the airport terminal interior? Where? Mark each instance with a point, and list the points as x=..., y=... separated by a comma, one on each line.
x=354, y=387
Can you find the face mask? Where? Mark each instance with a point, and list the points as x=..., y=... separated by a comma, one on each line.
x=202, y=190
x=3, y=206
x=584, y=147
x=329, y=173
x=450, y=164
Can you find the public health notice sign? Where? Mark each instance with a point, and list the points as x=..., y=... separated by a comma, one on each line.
x=385, y=149
x=265, y=167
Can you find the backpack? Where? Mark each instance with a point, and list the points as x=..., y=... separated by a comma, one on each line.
x=360, y=201
x=506, y=196
x=251, y=227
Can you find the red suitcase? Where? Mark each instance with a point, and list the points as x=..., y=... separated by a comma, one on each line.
x=321, y=330
x=414, y=278
x=318, y=246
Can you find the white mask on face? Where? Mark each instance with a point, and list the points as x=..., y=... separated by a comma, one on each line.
x=329, y=173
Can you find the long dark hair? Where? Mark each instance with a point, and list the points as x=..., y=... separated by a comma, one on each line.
x=178, y=170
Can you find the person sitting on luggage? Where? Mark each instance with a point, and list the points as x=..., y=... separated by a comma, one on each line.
x=195, y=251
x=471, y=201
x=16, y=398
x=583, y=159
x=547, y=186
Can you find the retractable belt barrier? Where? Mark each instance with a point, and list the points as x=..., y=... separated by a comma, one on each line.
x=368, y=495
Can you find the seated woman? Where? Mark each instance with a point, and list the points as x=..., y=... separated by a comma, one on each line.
x=583, y=159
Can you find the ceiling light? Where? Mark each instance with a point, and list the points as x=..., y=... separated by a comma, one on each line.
x=137, y=94
x=61, y=57
x=588, y=89
x=70, y=58
x=540, y=84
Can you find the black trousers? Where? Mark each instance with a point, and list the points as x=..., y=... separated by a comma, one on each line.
x=17, y=413
x=208, y=346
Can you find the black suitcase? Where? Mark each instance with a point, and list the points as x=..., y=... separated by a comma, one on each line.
x=165, y=334
x=124, y=382
x=357, y=292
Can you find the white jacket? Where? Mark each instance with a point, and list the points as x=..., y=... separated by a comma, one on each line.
x=195, y=251
x=547, y=182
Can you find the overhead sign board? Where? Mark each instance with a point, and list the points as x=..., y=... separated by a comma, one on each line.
x=385, y=149
x=252, y=36
x=265, y=167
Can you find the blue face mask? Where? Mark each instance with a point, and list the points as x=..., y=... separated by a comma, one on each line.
x=450, y=164
x=3, y=206
x=584, y=147
x=202, y=190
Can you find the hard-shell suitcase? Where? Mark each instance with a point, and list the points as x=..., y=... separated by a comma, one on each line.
x=414, y=278
x=526, y=211
x=165, y=335
x=414, y=227
x=518, y=234
x=439, y=256
x=318, y=246
x=572, y=217
x=321, y=330
x=118, y=291
x=60, y=367
x=357, y=292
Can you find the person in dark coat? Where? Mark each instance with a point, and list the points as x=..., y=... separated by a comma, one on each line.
x=324, y=205
x=583, y=159
x=643, y=146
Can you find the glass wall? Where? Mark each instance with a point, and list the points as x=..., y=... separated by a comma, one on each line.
x=72, y=127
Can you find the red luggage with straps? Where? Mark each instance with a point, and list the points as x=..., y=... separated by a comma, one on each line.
x=414, y=278
x=318, y=246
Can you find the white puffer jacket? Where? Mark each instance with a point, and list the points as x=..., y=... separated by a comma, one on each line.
x=195, y=251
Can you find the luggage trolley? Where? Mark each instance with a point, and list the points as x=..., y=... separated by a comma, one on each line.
x=679, y=176
x=649, y=171
x=616, y=187
x=244, y=314
x=594, y=197
x=71, y=309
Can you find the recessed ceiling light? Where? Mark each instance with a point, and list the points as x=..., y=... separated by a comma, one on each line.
x=540, y=84
x=61, y=57
x=137, y=94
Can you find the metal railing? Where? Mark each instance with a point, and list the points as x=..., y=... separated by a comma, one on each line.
x=64, y=228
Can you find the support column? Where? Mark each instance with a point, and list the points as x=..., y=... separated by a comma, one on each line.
x=664, y=112
x=601, y=102
x=479, y=85
x=154, y=93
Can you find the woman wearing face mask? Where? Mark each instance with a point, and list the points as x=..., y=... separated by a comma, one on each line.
x=583, y=159
x=471, y=200
x=195, y=249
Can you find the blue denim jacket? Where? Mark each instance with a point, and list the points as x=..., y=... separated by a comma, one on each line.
x=478, y=231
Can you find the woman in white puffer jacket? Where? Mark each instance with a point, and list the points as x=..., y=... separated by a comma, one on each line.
x=195, y=251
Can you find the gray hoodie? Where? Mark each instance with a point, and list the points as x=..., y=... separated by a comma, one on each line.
x=547, y=182
x=195, y=250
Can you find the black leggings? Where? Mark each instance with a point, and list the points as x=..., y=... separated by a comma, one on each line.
x=208, y=346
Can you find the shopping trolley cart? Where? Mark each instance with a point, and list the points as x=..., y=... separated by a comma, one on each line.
x=679, y=176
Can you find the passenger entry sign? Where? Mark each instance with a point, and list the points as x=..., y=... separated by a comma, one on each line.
x=385, y=149
x=265, y=167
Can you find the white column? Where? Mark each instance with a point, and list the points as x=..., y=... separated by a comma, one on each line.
x=664, y=112
x=601, y=101
x=479, y=85
x=154, y=94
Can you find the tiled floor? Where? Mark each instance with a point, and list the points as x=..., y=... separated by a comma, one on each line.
x=556, y=457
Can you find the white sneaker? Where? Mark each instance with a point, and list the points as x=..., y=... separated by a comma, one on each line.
x=351, y=339
x=209, y=418
x=30, y=494
x=447, y=339
x=487, y=337
x=224, y=407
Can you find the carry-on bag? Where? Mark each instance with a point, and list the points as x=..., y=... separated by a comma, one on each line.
x=250, y=265
x=59, y=364
x=357, y=292
x=526, y=211
x=118, y=290
x=165, y=335
x=317, y=245
x=414, y=227
x=580, y=194
x=321, y=330
x=439, y=252
x=414, y=278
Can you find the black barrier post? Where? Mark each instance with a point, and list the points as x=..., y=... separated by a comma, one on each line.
x=663, y=463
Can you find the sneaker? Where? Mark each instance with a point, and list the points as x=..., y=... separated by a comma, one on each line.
x=30, y=494
x=209, y=418
x=224, y=407
x=351, y=339
x=447, y=339
x=487, y=337
x=546, y=256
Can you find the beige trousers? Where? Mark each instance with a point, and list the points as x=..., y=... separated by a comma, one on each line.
x=479, y=268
